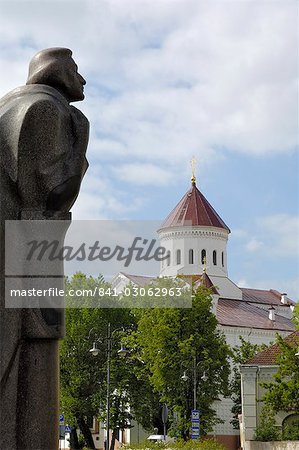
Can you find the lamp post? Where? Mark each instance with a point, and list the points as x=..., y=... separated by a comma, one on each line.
x=185, y=378
x=122, y=352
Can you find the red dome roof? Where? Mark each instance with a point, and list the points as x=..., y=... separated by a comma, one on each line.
x=194, y=210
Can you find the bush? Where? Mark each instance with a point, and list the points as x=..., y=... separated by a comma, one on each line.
x=179, y=445
x=291, y=432
x=267, y=430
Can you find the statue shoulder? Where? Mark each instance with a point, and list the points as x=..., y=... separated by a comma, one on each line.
x=42, y=111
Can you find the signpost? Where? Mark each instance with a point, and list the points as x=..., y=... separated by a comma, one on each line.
x=164, y=418
x=195, y=424
x=61, y=429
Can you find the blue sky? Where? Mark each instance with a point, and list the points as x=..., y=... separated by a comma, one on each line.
x=168, y=79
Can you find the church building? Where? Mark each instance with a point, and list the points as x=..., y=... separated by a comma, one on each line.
x=195, y=238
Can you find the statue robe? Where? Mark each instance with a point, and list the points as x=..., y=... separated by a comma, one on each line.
x=43, y=141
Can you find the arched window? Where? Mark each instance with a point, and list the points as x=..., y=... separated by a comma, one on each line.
x=214, y=257
x=191, y=256
x=178, y=256
x=290, y=423
x=203, y=257
x=222, y=259
x=168, y=258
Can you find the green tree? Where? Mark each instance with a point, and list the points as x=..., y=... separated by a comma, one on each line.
x=83, y=377
x=239, y=355
x=170, y=341
x=267, y=429
x=283, y=392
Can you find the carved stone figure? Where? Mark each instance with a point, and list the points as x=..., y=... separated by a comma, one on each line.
x=43, y=141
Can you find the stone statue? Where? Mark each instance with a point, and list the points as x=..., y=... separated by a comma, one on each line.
x=43, y=141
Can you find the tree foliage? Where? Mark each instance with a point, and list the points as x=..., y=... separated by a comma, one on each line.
x=267, y=430
x=168, y=341
x=83, y=377
x=283, y=392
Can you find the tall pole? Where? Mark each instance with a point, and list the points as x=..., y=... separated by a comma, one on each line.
x=194, y=385
x=108, y=384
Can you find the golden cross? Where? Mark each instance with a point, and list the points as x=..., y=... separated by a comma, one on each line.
x=193, y=169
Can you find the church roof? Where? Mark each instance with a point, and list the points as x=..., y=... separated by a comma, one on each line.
x=269, y=297
x=139, y=280
x=205, y=281
x=240, y=313
x=269, y=356
x=194, y=210
x=197, y=280
x=237, y=313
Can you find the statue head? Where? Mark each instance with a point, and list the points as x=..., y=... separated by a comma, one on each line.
x=55, y=67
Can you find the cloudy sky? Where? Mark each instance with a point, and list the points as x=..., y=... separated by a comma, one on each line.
x=168, y=79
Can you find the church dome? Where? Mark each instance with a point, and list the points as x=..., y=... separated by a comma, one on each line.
x=195, y=237
x=194, y=210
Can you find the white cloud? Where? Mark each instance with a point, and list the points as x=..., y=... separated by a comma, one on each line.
x=239, y=233
x=176, y=77
x=166, y=80
x=254, y=245
x=273, y=235
x=100, y=199
x=143, y=174
x=242, y=282
x=283, y=230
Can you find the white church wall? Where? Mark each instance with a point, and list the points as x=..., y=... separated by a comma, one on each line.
x=197, y=239
x=253, y=335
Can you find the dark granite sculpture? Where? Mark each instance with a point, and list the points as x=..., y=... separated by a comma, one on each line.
x=43, y=141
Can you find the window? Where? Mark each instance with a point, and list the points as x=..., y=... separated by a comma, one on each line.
x=222, y=259
x=191, y=256
x=214, y=257
x=168, y=258
x=178, y=256
x=203, y=257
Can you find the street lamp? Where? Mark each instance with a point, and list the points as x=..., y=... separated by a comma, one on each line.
x=185, y=378
x=95, y=351
x=123, y=351
x=204, y=378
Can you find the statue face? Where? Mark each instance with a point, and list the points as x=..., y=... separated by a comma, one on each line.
x=73, y=82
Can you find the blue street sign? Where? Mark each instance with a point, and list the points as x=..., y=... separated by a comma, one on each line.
x=195, y=414
x=61, y=419
x=68, y=428
x=195, y=431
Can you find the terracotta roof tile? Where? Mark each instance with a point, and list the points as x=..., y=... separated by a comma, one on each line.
x=194, y=210
x=270, y=297
x=205, y=281
x=197, y=280
x=269, y=356
x=237, y=313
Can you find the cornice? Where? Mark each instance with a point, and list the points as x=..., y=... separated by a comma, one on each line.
x=250, y=331
x=180, y=233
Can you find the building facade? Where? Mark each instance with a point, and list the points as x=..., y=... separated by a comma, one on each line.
x=260, y=369
x=195, y=238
